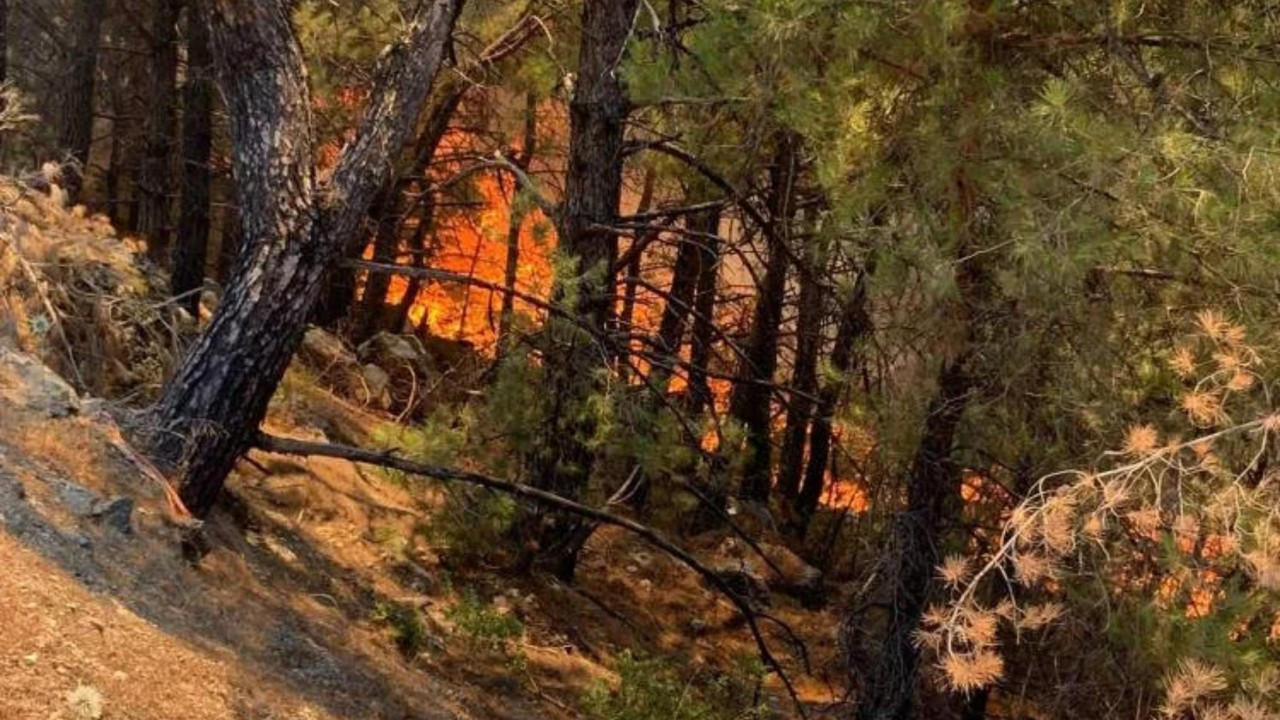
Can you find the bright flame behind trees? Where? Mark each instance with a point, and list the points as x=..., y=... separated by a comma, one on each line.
x=474, y=244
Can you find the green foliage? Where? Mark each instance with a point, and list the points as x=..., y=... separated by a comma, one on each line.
x=483, y=626
x=650, y=689
x=408, y=629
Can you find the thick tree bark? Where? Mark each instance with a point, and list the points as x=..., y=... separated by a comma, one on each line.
x=294, y=228
x=593, y=190
x=154, y=176
x=855, y=323
x=190, y=249
x=75, y=132
x=804, y=380
x=751, y=401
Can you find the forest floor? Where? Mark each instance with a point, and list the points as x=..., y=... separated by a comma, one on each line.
x=293, y=612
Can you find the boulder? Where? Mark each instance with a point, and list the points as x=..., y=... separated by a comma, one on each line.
x=410, y=373
x=29, y=383
x=784, y=572
x=325, y=352
x=377, y=386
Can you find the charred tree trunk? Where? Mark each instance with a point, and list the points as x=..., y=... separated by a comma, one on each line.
x=804, y=380
x=932, y=494
x=294, y=229
x=191, y=245
x=515, y=223
x=680, y=296
x=75, y=132
x=593, y=190
x=371, y=313
x=154, y=181
x=751, y=401
x=854, y=325
x=4, y=41
x=421, y=249
x=625, y=323
x=702, y=338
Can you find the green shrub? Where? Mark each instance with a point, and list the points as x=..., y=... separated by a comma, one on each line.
x=649, y=689
x=482, y=625
x=407, y=627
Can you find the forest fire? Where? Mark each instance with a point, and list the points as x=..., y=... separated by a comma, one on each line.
x=476, y=245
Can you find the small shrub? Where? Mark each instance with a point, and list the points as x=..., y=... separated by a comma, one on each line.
x=483, y=626
x=407, y=627
x=649, y=689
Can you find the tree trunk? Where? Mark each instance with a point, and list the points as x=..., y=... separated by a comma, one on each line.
x=593, y=190
x=154, y=180
x=293, y=228
x=932, y=493
x=854, y=325
x=515, y=223
x=624, y=324
x=191, y=247
x=804, y=380
x=371, y=313
x=751, y=401
x=419, y=246
x=702, y=338
x=75, y=132
x=680, y=296
x=4, y=41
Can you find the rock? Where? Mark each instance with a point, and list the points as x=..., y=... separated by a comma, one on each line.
x=29, y=383
x=79, y=500
x=85, y=703
x=387, y=349
x=785, y=572
x=325, y=352
x=793, y=576
x=744, y=581
x=377, y=385
x=116, y=513
x=409, y=373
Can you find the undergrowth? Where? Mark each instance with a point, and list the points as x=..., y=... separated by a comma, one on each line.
x=651, y=689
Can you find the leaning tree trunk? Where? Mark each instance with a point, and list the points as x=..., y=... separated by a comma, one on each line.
x=804, y=380
x=294, y=229
x=751, y=401
x=593, y=190
x=154, y=174
x=75, y=132
x=190, y=249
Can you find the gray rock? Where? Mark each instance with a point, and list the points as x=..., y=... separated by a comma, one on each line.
x=29, y=383
x=78, y=500
x=116, y=513
x=325, y=351
x=378, y=384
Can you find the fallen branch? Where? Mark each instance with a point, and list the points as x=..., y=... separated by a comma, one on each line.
x=288, y=446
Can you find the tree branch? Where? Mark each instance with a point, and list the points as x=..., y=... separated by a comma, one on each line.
x=287, y=446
